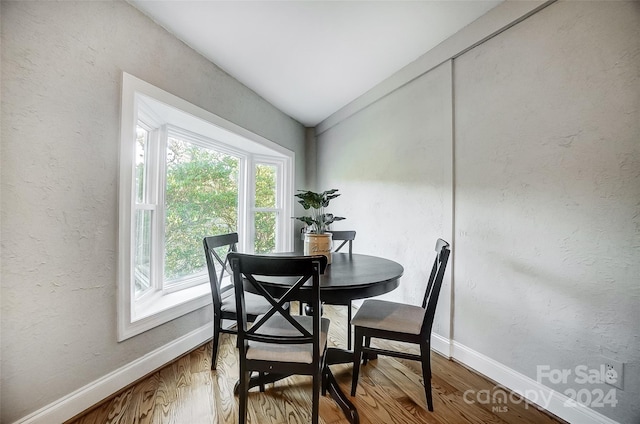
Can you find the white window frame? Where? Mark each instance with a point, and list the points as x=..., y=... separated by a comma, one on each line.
x=279, y=208
x=162, y=304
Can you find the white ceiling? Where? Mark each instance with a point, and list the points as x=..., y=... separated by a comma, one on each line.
x=311, y=58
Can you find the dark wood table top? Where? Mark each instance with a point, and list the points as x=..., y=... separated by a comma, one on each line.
x=351, y=276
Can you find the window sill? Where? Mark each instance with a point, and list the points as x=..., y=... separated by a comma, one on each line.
x=160, y=308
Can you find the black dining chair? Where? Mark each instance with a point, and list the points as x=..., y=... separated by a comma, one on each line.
x=216, y=250
x=279, y=342
x=346, y=237
x=401, y=322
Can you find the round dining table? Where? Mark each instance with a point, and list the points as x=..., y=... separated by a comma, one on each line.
x=349, y=277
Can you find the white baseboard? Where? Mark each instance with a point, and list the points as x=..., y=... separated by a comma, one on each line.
x=84, y=398
x=535, y=392
x=441, y=344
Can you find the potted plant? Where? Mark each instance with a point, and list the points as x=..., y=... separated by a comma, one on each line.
x=316, y=238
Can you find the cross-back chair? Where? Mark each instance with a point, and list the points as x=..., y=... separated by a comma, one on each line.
x=401, y=322
x=346, y=237
x=216, y=250
x=279, y=342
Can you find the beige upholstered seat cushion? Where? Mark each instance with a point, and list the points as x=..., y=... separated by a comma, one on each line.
x=278, y=325
x=255, y=304
x=390, y=316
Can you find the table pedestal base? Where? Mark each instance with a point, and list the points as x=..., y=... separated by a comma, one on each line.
x=343, y=402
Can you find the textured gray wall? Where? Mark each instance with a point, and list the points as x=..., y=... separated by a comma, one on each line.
x=546, y=190
x=392, y=164
x=548, y=195
x=61, y=71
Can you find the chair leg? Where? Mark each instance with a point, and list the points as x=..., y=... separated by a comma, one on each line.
x=425, y=354
x=243, y=394
x=349, y=326
x=367, y=343
x=315, y=407
x=357, y=358
x=216, y=342
x=325, y=376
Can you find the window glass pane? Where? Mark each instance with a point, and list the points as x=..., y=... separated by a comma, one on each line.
x=265, y=230
x=201, y=199
x=265, y=186
x=142, y=269
x=142, y=148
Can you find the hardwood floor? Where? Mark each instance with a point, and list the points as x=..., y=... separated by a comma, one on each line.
x=390, y=391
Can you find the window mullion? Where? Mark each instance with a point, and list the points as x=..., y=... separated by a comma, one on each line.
x=245, y=203
x=280, y=224
x=159, y=165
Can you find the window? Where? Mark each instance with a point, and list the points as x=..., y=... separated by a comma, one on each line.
x=186, y=174
x=266, y=210
x=201, y=190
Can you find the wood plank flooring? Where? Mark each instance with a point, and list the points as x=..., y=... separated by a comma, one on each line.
x=390, y=391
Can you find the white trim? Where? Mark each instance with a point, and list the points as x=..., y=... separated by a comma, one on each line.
x=128, y=119
x=441, y=344
x=535, y=392
x=160, y=307
x=80, y=400
x=288, y=192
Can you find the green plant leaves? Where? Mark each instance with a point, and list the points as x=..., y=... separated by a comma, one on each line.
x=318, y=221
